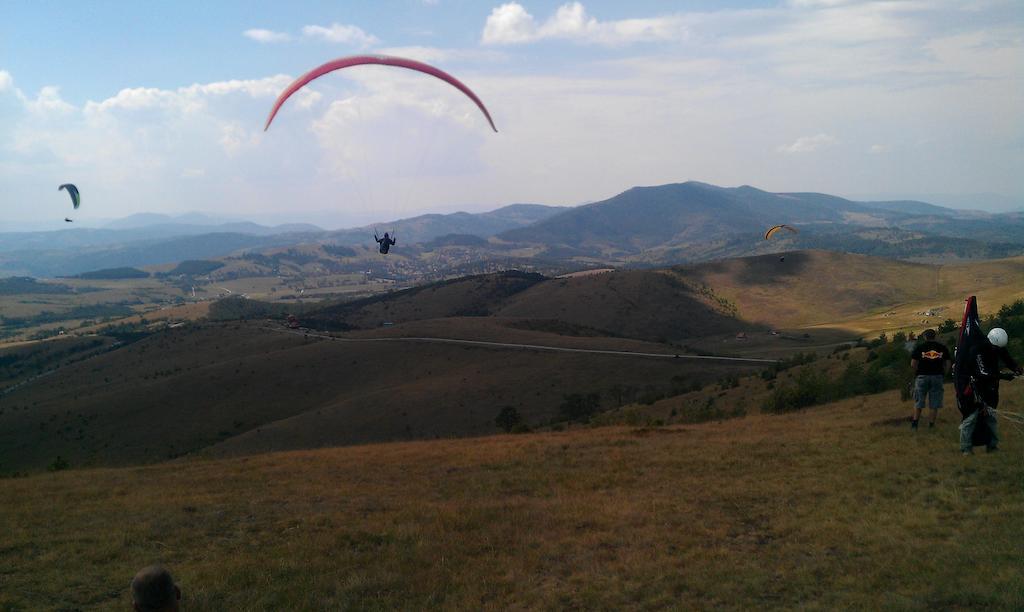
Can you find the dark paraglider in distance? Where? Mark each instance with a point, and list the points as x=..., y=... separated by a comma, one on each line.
x=76, y=198
x=386, y=242
x=66, y=220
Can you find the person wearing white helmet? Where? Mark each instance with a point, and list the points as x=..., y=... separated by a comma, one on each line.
x=985, y=377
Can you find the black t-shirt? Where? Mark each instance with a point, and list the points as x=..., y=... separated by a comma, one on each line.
x=931, y=357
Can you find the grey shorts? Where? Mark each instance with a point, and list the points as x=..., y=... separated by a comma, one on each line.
x=928, y=387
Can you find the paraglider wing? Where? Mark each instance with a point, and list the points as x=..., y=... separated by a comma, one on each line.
x=73, y=192
x=970, y=336
x=776, y=229
x=383, y=60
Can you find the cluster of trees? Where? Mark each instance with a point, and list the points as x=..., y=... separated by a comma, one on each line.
x=21, y=285
x=34, y=359
x=93, y=311
x=114, y=274
x=887, y=367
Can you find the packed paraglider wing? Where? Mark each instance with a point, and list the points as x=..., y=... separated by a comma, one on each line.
x=777, y=228
x=76, y=199
x=969, y=339
x=383, y=60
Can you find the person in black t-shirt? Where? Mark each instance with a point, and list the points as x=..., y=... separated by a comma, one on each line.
x=930, y=361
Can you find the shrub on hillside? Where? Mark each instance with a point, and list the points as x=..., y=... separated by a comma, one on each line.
x=650, y=395
x=579, y=406
x=809, y=388
x=508, y=419
x=58, y=464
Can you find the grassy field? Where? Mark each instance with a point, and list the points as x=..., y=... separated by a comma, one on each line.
x=864, y=295
x=835, y=507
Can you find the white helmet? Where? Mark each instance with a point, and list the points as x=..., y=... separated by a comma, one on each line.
x=998, y=336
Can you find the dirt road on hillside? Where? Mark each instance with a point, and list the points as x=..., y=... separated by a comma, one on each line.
x=532, y=347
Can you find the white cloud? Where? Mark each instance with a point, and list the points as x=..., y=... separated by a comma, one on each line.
x=6, y=80
x=266, y=36
x=47, y=102
x=194, y=97
x=340, y=33
x=807, y=144
x=234, y=137
x=510, y=23
x=878, y=149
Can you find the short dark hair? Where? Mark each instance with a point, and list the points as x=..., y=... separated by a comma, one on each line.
x=153, y=588
x=929, y=334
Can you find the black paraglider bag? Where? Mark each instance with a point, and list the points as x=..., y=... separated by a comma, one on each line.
x=970, y=336
x=967, y=400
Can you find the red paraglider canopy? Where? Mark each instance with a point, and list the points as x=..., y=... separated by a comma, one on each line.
x=384, y=60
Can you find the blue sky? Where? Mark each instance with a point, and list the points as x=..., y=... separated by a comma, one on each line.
x=158, y=107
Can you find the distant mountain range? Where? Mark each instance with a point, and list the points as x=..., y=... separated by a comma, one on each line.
x=667, y=224
x=696, y=221
x=149, y=239
x=428, y=227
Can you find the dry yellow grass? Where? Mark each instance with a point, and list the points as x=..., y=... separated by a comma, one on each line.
x=856, y=292
x=837, y=507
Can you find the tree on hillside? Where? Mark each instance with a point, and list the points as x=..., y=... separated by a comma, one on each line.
x=508, y=419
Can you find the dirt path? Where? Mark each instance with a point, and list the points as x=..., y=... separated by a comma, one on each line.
x=533, y=347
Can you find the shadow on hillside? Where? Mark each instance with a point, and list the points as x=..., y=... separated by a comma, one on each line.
x=767, y=269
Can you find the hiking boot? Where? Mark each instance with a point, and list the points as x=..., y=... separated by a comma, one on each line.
x=931, y=425
x=913, y=425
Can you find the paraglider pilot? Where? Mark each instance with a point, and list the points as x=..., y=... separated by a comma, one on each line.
x=985, y=377
x=385, y=243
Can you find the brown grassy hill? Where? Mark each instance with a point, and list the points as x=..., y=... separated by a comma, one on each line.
x=809, y=288
x=830, y=508
x=238, y=388
x=476, y=295
x=649, y=305
x=190, y=388
x=823, y=287
x=813, y=286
